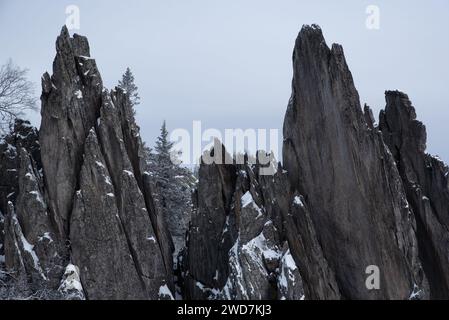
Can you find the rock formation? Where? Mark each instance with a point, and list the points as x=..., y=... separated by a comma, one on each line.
x=347, y=176
x=82, y=217
x=425, y=179
x=237, y=228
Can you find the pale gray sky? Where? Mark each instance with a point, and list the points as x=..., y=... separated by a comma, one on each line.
x=228, y=63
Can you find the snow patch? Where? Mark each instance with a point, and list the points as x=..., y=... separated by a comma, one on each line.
x=98, y=163
x=30, y=249
x=287, y=269
x=259, y=244
x=212, y=292
x=164, y=292
x=72, y=283
x=38, y=197
x=129, y=173
x=107, y=180
x=78, y=94
x=46, y=236
x=416, y=293
x=297, y=201
x=247, y=199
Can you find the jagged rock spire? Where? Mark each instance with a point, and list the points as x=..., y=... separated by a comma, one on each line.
x=347, y=176
x=94, y=204
x=425, y=179
x=236, y=247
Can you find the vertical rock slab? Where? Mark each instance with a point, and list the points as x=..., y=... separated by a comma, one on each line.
x=318, y=278
x=78, y=112
x=35, y=221
x=347, y=176
x=71, y=99
x=426, y=183
x=290, y=284
x=2, y=238
x=98, y=241
x=148, y=240
x=208, y=246
x=237, y=230
x=23, y=135
x=21, y=258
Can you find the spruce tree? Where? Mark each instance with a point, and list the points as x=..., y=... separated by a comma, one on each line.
x=127, y=84
x=174, y=184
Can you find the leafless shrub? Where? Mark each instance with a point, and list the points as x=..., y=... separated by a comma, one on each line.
x=16, y=94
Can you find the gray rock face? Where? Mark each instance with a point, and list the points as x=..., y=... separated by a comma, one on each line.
x=98, y=241
x=89, y=228
x=25, y=136
x=425, y=180
x=318, y=278
x=71, y=99
x=347, y=176
x=248, y=257
x=2, y=238
x=207, y=241
x=34, y=221
x=80, y=213
x=31, y=250
x=94, y=172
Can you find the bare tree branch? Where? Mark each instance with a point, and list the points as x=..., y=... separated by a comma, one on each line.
x=16, y=94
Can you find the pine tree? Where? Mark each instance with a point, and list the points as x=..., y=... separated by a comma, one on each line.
x=163, y=150
x=163, y=144
x=127, y=84
x=174, y=184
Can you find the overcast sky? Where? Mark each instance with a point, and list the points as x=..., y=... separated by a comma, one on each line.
x=228, y=63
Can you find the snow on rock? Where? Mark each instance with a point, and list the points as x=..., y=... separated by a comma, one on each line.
x=129, y=173
x=28, y=249
x=78, y=94
x=416, y=293
x=252, y=265
x=38, y=197
x=165, y=293
x=71, y=286
x=212, y=293
x=46, y=236
x=298, y=202
x=98, y=163
x=259, y=246
x=247, y=200
x=289, y=280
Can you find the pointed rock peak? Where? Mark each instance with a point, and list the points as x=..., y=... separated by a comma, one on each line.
x=64, y=32
x=369, y=117
x=76, y=45
x=399, y=124
x=308, y=30
x=401, y=102
x=217, y=154
x=311, y=42
x=310, y=36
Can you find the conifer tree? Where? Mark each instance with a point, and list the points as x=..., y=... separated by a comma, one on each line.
x=127, y=84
